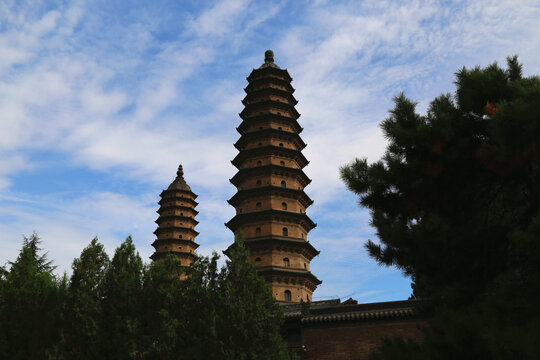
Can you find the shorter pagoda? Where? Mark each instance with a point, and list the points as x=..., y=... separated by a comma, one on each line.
x=176, y=222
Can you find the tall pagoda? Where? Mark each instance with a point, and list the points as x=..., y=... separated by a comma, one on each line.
x=270, y=201
x=176, y=222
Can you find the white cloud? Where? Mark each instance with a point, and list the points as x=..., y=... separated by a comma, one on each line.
x=127, y=98
x=67, y=226
x=218, y=20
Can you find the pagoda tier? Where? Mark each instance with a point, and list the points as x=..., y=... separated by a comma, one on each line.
x=269, y=153
x=176, y=222
x=272, y=121
x=270, y=201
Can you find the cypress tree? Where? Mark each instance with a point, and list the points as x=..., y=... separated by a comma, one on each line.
x=251, y=319
x=121, y=320
x=84, y=313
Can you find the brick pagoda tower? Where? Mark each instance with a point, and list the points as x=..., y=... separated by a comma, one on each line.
x=270, y=202
x=176, y=222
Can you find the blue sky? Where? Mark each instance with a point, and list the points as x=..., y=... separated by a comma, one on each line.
x=100, y=101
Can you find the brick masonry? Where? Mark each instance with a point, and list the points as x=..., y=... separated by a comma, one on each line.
x=354, y=341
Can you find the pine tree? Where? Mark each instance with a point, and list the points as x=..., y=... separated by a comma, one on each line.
x=84, y=313
x=455, y=200
x=30, y=305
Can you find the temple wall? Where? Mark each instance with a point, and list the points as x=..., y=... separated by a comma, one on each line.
x=351, y=341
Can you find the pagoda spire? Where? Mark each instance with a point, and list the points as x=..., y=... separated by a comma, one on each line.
x=176, y=222
x=270, y=201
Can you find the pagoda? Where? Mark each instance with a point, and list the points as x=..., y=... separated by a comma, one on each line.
x=270, y=201
x=176, y=222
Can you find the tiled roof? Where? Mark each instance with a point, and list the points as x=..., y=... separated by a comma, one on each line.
x=335, y=311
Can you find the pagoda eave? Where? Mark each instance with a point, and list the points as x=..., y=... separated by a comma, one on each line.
x=172, y=207
x=161, y=255
x=171, y=228
x=270, y=170
x=279, y=242
x=268, y=72
x=171, y=240
x=270, y=150
x=161, y=218
x=280, y=119
x=273, y=191
x=252, y=96
x=265, y=105
x=259, y=83
x=274, y=133
x=272, y=214
x=181, y=191
x=181, y=198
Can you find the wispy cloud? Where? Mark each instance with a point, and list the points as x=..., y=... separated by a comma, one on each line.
x=119, y=95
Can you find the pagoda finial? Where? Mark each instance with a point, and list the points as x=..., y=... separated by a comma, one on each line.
x=269, y=60
x=180, y=172
x=268, y=57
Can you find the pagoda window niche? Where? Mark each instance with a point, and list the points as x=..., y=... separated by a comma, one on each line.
x=286, y=262
x=273, y=155
x=287, y=295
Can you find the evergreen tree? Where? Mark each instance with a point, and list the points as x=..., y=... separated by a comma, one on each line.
x=456, y=204
x=30, y=304
x=251, y=319
x=122, y=291
x=84, y=313
x=203, y=309
x=164, y=310
x=211, y=313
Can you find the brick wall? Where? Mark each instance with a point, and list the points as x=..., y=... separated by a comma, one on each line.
x=352, y=341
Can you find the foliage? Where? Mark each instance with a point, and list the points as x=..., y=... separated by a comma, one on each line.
x=84, y=312
x=251, y=318
x=31, y=299
x=122, y=291
x=121, y=309
x=212, y=313
x=456, y=204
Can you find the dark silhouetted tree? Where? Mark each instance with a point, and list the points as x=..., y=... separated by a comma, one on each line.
x=455, y=201
x=121, y=304
x=211, y=314
x=250, y=317
x=84, y=313
x=31, y=299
